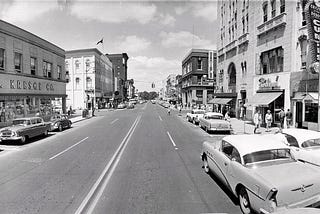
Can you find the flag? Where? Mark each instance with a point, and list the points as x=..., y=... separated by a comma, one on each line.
x=101, y=41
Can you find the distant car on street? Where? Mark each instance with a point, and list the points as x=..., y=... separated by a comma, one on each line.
x=262, y=173
x=153, y=101
x=24, y=128
x=59, y=122
x=304, y=144
x=195, y=115
x=122, y=106
x=130, y=106
x=213, y=121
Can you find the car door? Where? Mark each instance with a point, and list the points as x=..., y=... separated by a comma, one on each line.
x=32, y=130
x=223, y=160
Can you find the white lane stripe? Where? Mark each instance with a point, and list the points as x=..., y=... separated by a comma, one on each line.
x=116, y=157
x=171, y=140
x=160, y=118
x=60, y=153
x=114, y=121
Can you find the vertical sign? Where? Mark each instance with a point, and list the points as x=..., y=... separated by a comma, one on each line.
x=313, y=23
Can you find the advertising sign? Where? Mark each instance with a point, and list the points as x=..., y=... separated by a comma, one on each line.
x=313, y=23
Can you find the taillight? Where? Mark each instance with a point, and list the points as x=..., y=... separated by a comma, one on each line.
x=271, y=197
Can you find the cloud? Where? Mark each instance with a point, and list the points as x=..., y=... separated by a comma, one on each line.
x=24, y=11
x=184, y=39
x=132, y=44
x=167, y=19
x=114, y=12
x=205, y=10
x=145, y=70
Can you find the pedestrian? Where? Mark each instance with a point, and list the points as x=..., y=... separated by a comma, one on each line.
x=268, y=120
x=289, y=118
x=227, y=116
x=281, y=117
x=241, y=112
x=169, y=111
x=257, y=119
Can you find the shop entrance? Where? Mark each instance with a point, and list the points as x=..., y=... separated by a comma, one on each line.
x=299, y=114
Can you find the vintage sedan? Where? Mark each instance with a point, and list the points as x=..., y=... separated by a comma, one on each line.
x=262, y=173
x=195, y=115
x=59, y=122
x=213, y=121
x=24, y=128
x=304, y=144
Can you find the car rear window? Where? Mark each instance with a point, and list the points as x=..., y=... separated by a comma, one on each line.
x=267, y=155
x=311, y=143
x=21, y=122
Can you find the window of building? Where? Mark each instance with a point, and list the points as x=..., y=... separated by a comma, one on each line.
x=273, y=8
x=265, y=12
x=77, y=83
x=243, y=25
x=189, y=67
x=33, y=65
x=89, y=83
x=303, y=47
x=282, y=6
x=247, y=20
x=18, y=62
x=311, y=112
x=1, y=59
x=199, y=64
x=272, y=61
x=59, y=71
x=47, y=69
x=77, y=64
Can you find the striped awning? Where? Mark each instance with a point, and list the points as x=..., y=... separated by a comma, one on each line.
x=263, y=99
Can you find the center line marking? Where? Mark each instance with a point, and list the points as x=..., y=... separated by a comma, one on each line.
x=171, y=139
x=160, y=118
x=60, y=153
x=114, y=121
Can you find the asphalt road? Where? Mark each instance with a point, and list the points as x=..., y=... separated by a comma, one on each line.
x=124, y=161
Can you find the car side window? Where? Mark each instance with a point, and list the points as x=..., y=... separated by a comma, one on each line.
x=39, y=120
x=235, y=155
x=292, y=140
x=34, y=121
x=227, y=148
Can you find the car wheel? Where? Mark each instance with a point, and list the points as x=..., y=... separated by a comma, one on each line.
x=60, y=128
x=23, y=139
x=206, y=165
x=244, y=201
x=69, y=125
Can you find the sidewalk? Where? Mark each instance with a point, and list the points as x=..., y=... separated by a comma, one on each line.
x=247, y=127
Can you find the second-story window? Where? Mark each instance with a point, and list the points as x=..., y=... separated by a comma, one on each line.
x=77, y=63
x=18, y=62
x=33, y=65
x=47, y=69
x=89, y=83
x=265, y=12
x=1, y=59
x=273, y=8
x=59, y=72
x=199, y=65
x=282, y=6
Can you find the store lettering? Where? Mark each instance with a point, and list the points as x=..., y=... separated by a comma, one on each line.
x=267, y=84
x=28, y=85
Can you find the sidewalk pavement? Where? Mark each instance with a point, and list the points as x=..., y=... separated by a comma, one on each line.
x=77, y=116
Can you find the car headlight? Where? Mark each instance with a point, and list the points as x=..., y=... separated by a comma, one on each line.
x=271, y=197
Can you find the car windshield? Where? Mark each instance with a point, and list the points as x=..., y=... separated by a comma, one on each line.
x=311, y=143
x=267, y=155
x=21, y=122
x=198, y=112
x=214, y=117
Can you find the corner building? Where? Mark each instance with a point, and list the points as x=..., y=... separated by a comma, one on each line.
x=32, y=75
x=263, y=58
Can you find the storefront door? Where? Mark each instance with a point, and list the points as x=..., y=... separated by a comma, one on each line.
x=299, y=114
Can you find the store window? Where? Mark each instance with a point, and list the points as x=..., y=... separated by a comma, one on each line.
x=311, y=112
x=18, y=62
x=59, y=72
x=33, y=64
x=2, y=59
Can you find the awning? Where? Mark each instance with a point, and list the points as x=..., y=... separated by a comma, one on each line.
x=263, y=99
x=306, y=96
x=222, y=101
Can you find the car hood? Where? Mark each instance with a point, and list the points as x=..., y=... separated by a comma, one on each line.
x=295, y=181
x=13, y=128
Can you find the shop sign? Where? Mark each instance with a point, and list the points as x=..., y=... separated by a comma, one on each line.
x=28, y=85
x=267, y=84
x=313, y=23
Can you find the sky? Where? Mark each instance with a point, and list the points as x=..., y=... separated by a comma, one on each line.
x=156, y=35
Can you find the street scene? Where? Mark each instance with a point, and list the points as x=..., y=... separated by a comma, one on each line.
x=162, y=107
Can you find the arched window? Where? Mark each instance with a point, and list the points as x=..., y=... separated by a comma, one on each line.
x=89, y=83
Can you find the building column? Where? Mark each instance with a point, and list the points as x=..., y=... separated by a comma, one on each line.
x=193, y=95
x=204, y=96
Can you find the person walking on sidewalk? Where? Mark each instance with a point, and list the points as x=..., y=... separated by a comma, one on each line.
x=282, y=117
x=257, y=119
x=289, y=118
x=268, y=120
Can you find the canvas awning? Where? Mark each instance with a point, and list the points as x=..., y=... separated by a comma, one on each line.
x=263, y=99
x=222, y=101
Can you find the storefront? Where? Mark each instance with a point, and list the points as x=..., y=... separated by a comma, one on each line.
x=23, y=96
x=224, y=102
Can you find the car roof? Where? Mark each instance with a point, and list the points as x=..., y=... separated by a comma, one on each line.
x=301, y=134
x=27, y=118
x=247, y=144
x=214, y=114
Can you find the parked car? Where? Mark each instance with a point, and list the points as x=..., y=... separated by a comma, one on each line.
x=122, y=106
x=299, y=211
x=130, y=106
x=213, y=121
x=304, y=144
x=59, y=122
x=195, y=115
x=24, y=128
x=262, y=173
